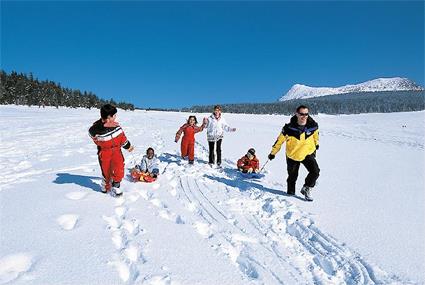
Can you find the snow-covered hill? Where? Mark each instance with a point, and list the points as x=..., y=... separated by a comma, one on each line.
x=299, y=91
x=196, y=225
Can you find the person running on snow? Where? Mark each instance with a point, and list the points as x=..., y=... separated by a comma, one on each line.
x=148, y=170
x=109, y=137
x=301, y=135
x=189, y=129
x=249, y=162
x=216, y=125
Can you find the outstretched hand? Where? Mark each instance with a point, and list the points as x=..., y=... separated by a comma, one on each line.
x=130, y=149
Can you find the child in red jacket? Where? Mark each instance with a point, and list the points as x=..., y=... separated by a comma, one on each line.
x=189, y=129
x=109, y=138
x=249, y=162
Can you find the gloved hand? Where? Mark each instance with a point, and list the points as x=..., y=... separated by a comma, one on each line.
x=271, y=156
x=250, y=170
x=317, y=147
x=233, y=130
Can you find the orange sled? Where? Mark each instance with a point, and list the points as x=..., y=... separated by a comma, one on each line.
x=137, y=175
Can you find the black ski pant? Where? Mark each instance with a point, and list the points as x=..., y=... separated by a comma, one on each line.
x=212, y=152
x=293, y=166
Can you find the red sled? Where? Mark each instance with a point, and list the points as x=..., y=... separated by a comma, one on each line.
x=139, y=176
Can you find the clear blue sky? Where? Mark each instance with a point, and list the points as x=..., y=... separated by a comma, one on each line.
x=174, y=54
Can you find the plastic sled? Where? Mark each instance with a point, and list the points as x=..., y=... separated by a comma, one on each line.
x=139, y=176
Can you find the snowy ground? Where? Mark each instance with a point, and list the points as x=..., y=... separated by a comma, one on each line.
x=200, y=226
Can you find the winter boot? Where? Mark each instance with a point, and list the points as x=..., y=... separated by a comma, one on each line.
x=116, y=188
x=103, y=187
x=306, y=191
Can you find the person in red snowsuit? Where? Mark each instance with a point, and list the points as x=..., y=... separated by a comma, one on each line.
x=249, y=162
x=189, y=129
x=109, y=137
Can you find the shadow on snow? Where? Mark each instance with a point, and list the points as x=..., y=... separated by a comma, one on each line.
x=83, y=181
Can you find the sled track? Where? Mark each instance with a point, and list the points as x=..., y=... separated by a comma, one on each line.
x=286, y=246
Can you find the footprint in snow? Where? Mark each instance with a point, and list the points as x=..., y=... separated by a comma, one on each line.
x=120, y=212
x=14, y=265
x=159, y=280
x=165, y=214
x=203, y=229
x=112, y=222
x=67, y=222
x=45, y=157
x=23, y=165
x=132, y=227
x=78, y=195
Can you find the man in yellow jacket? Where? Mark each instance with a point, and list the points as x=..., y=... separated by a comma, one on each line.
x=302, y=140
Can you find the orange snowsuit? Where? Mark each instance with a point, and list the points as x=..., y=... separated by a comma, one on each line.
x=245, y=163
x=188, y=140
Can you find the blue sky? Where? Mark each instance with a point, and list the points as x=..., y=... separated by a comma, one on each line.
x=175, y=54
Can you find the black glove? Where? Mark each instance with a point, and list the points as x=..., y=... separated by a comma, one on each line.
x=271, y=156
x=317, y=147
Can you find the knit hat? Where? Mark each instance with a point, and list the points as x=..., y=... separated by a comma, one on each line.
x=251, y=151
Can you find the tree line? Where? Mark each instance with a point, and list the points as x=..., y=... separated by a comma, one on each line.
x=22, y=89
x=350, y=103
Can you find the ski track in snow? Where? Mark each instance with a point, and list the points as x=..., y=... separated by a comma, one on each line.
x=287, y=245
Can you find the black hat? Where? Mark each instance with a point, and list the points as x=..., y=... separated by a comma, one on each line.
x=251, y=151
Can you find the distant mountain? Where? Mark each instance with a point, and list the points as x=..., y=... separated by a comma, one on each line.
x=299, y=91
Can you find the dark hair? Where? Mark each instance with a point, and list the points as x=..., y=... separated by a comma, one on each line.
x=217, y=107
x=301, y=107
x=107, y=110
x=149, y=148
x=196, y=120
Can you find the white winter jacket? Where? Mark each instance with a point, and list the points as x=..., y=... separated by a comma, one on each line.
x=216, y=127
x=149, y=165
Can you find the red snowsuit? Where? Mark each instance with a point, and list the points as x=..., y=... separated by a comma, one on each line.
x=188, y=140
x=109, y=141
x=245, y=163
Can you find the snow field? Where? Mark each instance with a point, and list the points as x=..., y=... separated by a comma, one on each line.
x=194, y=225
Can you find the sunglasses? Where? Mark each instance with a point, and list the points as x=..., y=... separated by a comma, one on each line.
x=303, y=114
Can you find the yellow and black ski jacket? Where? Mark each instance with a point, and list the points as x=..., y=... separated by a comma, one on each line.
x=300, y=142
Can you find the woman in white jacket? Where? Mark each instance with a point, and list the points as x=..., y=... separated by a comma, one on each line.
x=216, y=125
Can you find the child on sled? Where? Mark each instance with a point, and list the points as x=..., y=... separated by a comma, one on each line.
x=249, y=162
x=148, y=170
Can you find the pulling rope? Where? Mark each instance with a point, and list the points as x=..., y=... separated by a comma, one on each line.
x=264, y=166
